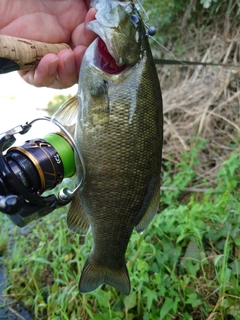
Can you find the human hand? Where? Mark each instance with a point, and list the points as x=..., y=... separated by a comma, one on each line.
x=52, y=21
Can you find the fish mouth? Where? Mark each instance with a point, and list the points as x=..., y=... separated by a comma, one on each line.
x=107, y=62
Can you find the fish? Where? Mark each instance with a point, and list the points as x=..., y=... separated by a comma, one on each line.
x=119, y=132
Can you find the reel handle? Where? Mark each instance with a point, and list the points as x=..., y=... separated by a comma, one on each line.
x=22, y=54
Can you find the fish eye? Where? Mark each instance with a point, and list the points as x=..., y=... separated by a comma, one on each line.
x=135, y=19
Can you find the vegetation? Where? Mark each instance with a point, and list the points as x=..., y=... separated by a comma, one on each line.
x=186, y=265
x=177, y=18
x=56, y=102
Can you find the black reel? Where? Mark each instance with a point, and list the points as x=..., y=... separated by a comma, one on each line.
x=29, y=170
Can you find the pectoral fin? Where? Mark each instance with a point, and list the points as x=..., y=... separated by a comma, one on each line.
x=77, y=220
x=67, y=113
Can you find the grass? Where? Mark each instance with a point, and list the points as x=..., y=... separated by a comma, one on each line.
x=186, y=265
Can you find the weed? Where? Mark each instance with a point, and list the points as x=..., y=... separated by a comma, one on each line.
x=184, y=266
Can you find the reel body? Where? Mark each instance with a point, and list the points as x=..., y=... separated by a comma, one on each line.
x=39, y=165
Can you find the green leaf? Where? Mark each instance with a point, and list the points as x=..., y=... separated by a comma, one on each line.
x=237, y=241
x=41, y=260
x=166, y=307
x=192, y=267
x=130, y=301
x=103, y=297
x=193, y=300
x=151, y=295
x=218, y=259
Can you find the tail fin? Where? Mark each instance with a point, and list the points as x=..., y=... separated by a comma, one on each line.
x=94, y=275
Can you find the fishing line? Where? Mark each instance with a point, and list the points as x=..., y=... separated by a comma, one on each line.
x=207, y=78
x=144, y=11
x=151, y=31
x=170, y=52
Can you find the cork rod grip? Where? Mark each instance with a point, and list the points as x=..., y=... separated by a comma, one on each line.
x=26, y=53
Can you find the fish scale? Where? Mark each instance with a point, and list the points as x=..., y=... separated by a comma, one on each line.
x=119, y=133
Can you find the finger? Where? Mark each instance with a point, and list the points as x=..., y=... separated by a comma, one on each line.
x=81, y=35
x=54, y=71
x=62, y=70
x=67, y=71
x=44, y=74
x=79, y=53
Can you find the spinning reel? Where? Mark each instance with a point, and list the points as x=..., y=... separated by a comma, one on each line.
x=27, y=171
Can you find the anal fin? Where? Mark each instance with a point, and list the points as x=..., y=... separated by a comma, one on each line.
x=77, y=220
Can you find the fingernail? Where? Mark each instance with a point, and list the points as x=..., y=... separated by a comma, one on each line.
x=52, y=68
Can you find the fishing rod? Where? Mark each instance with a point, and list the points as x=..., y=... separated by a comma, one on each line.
x=22, y=54
x=191, y=63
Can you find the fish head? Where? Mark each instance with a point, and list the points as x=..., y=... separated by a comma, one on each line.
x=122, y=34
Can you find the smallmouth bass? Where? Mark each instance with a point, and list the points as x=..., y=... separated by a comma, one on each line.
x=119, y=130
